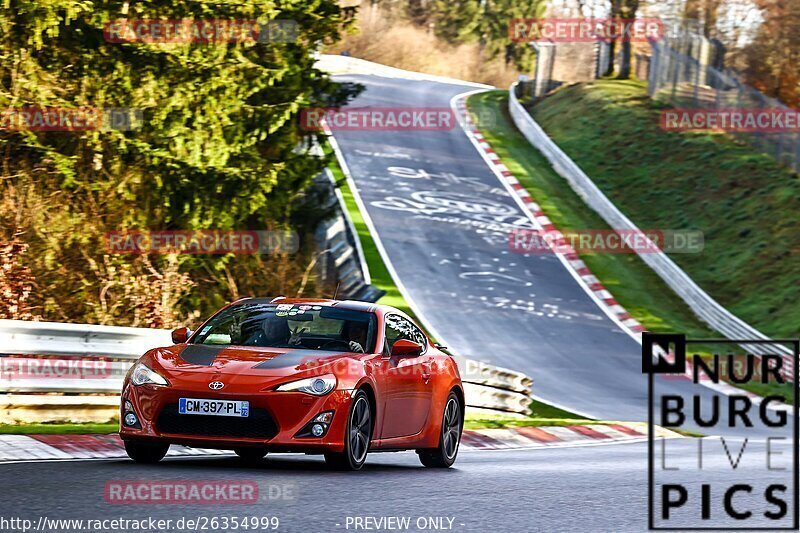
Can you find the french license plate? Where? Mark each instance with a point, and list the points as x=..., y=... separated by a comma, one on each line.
x=193, y=406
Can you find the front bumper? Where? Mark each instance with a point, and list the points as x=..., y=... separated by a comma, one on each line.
x=275, y=419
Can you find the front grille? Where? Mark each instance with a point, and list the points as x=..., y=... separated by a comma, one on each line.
x=259, y=425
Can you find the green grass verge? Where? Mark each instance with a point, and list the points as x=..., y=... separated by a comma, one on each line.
x=542, y=414
x=58, y=429
x=543, y=410
x=634, y=285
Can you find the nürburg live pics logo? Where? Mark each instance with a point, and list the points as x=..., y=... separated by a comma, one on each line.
x=736, y=400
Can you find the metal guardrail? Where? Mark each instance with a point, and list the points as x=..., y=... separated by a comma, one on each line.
x=703, y=305
x=494, y=388
x=110, y=351
x=55, y=338
x=481, y=373
x=481, y=397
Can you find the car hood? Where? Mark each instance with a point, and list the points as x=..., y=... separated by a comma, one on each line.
x=246, y=360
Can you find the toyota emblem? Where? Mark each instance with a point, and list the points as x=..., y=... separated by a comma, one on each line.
x=216, y=385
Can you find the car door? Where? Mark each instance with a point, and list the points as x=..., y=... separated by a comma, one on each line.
x=407, y=381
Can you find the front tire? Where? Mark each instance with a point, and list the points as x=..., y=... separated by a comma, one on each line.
x=449, y=438
x=356, y=438
x=146, y=452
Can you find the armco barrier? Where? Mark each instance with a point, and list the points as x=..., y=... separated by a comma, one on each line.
x=703, y=305
x=31, y=398
x=55, y=338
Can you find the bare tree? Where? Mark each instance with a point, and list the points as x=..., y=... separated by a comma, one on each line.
x=626, y=11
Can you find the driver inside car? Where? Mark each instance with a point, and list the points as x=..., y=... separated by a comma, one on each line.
x=275, y=332
x=356, y=336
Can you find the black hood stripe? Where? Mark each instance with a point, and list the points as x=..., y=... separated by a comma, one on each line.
x=294, y=358
x=201, y=355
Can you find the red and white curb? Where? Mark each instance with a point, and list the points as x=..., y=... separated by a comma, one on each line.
x=541, y=221
x=566, y=436
x=15, y=448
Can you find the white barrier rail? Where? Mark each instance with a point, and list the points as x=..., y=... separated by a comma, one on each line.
x=93, y=359
x=703, y=305
x=55, y=338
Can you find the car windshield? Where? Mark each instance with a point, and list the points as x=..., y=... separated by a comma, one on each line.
x=307, y=326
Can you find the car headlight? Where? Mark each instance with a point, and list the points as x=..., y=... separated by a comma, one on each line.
x=142, y=374
x=318, y=386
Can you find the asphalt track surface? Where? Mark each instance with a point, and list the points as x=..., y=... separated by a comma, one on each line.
x=433, y=201
x=596, y=488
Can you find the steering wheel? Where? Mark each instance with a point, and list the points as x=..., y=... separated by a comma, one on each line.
x=340, y=342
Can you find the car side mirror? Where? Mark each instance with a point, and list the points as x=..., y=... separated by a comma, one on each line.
x=406, y=348
x=181, y=335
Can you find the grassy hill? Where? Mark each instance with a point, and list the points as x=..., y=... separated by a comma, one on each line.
x=747, y=206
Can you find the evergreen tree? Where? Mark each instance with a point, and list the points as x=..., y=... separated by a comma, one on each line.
x=217, y=146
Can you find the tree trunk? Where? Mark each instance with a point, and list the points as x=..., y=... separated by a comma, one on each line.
x=625, y=60
x=612, y=50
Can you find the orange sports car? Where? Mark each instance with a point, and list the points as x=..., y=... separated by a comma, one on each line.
x=339, y=378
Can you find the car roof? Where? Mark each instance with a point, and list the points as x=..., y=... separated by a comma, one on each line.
x=354, y=305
